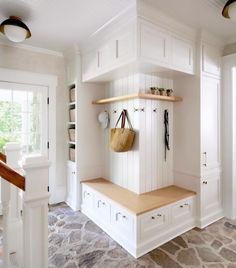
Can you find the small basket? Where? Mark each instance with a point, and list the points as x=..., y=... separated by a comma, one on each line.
x=71, y=134
x=72, y=115
x=72, y=154
x=72, y=94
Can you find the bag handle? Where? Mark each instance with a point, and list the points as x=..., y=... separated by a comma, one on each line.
x=124, y=116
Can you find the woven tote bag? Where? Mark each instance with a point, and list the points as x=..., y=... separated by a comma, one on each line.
x=122, y=139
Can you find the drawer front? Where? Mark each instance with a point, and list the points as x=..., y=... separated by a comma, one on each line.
x=88, y=197
x=122, y=221
x=153, y=222
x=102, y=208
x=183, y=210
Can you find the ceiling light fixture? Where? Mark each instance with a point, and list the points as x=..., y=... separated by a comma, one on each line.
x=14, y=29
x=229, y=10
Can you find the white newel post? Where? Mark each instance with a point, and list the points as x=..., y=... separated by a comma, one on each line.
x=5, y=199
x=12, y=224
x=35, y=212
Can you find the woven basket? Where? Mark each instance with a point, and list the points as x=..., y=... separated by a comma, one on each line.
x=72, y=95
x=71, y=134
x=72, y=115
x=72, y=154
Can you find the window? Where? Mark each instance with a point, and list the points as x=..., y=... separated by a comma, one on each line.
x=23, y=116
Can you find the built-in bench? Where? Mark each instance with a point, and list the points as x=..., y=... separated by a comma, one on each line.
x=139, y=223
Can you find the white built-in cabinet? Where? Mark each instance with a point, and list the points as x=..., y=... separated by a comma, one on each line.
x=210, y=123
x=138, y=234
x=210, y=164
x=144, y=42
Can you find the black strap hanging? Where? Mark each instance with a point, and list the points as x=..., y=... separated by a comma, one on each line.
x=166, y=123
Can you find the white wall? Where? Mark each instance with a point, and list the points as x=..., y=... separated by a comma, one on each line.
x=26, y=60
x=229, y=135
x=142, y=169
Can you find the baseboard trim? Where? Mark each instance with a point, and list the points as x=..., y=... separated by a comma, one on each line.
x=205, y=221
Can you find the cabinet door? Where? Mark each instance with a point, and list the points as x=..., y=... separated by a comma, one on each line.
x=106, y=56
x=155, y=44
x=71, y=183
x=124, y=46
x=211, y=200
x=90, y=65
x=211, y=60
x=182, y=55
x=210, y=123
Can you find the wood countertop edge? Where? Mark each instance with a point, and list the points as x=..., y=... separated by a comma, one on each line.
x=137, y=213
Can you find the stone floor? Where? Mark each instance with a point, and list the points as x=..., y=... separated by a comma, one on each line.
x=75, y=241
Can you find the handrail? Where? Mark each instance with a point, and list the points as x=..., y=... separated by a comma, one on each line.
x=12, y=176
x=3, y=157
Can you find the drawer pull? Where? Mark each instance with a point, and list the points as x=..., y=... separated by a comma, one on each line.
x=181, y=206
x=186, y=204
x=204, y=182
x=159, y=215
x=153, y=218
x=124, y=217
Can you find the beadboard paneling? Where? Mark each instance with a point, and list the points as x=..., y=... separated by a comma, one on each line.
x=144, y=168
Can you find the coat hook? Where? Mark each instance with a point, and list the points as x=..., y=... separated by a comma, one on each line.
x=142, y=109
x=135, y=109
x=155, y=110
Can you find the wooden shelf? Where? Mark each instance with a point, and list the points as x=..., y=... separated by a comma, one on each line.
x=138, y=96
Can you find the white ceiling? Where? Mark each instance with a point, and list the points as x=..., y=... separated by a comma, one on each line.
x=57, y=24
x=204, y=14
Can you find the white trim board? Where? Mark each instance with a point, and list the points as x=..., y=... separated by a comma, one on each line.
x=49, y=81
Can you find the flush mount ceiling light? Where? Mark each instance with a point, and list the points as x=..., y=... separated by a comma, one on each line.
x=229, y=10
x=14, y=29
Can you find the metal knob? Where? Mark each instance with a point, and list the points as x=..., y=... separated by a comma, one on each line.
x=153, y=218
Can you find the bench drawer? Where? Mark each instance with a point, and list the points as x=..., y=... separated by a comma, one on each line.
x=153, y=222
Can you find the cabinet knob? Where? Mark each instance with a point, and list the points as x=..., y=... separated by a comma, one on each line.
x=153, y=218
x=159, y=215
x=124, y=217
x=181, y=206
x=204, y=182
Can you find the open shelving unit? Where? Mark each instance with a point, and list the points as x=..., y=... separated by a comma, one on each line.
x=72, y=122
x=138, y=96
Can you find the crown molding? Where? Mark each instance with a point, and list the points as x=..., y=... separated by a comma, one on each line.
x=33, y=49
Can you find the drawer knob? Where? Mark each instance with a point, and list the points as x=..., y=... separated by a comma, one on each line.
x=159, y=215
x=186, y=204
x=153, y=218
x=204, y=182
x=181, y=206
x=124, y=217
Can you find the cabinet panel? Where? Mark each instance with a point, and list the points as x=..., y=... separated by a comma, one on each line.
x=153, y=222
x=88, y=198
x=182, y=210
x=155, y=44
x=124, y=46
x=210, y=123
x=211, y=60
x=90, y=65
x=211, y=190
x=122, y=221
x=182, y=54
x=102, y=208
x=106, y=54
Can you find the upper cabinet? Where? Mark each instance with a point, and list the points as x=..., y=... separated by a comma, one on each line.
x=155, y=44
x=182, y=55
x=211, y=60
x=142, y=45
